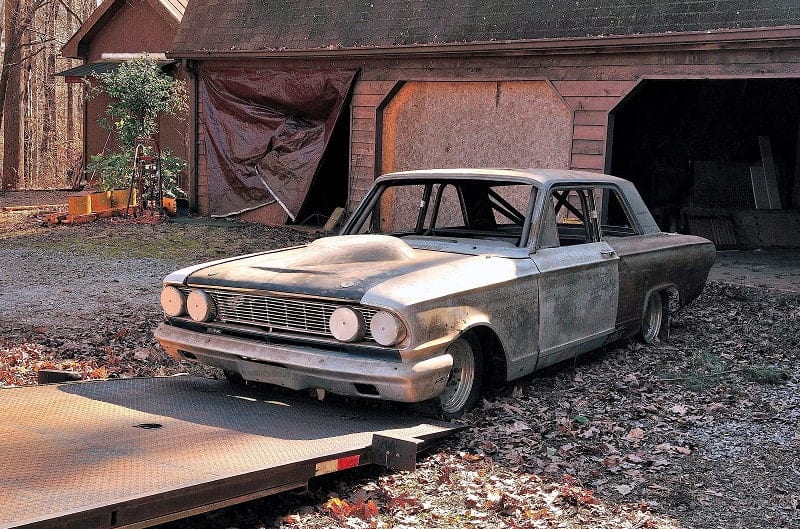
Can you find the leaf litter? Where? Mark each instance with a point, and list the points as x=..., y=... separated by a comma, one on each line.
x=699, y=431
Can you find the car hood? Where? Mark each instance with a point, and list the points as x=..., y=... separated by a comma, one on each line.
x=342, y=267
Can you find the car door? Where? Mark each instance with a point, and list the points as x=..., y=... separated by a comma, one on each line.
x=578, y=276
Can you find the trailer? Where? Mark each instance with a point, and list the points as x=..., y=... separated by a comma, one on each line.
x=133, y=453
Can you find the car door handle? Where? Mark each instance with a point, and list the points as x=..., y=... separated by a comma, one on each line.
x=608, y=253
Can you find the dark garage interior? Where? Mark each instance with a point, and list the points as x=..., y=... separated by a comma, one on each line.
x=329, y=188
x=717, y=158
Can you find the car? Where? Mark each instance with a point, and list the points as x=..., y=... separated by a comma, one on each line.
x=441, y=283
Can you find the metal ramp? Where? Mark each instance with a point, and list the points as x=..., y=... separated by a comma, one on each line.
x=138, y=452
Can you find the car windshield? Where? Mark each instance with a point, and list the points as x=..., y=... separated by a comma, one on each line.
x=455, y=208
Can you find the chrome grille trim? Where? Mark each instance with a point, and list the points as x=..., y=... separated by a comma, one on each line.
x=281, y=313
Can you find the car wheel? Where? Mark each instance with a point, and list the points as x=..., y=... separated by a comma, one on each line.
x=235, y=378
x=466, y=376
x=652, y=318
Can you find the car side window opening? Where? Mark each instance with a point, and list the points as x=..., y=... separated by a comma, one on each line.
x=615, y=219
x=569, y=218
x=452, y=209
x=447, y=210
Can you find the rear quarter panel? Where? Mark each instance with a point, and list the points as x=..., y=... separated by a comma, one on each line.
x=657, y=261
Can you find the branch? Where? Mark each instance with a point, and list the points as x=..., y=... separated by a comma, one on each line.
x=28, y=57
x=70, y=11
x=32, y=44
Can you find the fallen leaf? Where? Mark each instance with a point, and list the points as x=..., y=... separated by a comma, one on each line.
x=624, y=490
x=679, y=409
x=635, y=434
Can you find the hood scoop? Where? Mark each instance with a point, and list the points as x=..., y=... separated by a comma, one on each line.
x=354, y=249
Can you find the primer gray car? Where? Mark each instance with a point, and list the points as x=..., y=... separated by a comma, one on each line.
x=441, y=281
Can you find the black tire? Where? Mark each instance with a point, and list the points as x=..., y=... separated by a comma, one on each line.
x=463, y=388
x=653, y=318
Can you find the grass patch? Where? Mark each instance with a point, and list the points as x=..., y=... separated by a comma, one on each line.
x=173, y=248
x=766, y=374
x=707, y=370
x=704, y=371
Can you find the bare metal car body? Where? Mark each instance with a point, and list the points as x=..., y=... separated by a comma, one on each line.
x=506, y=271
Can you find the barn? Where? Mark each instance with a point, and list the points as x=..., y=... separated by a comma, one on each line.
x=298, y=106
x=116, y=31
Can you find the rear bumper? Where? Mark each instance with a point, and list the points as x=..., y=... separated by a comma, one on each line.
x=302, y=367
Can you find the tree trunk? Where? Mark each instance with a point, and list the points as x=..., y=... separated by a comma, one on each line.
x=49, y=114
x=30, y=124
x=70, y=131
x=10, y=100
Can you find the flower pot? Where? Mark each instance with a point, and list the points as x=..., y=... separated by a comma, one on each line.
x=170, y=205
x=119, y=198
x=100, y=201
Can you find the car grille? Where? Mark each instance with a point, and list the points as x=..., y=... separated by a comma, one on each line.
x=274, y=312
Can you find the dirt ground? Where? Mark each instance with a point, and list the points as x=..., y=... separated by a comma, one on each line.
x=699, y=431
x=770, y=268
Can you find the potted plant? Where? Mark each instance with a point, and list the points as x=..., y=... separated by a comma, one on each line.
x=139, y=92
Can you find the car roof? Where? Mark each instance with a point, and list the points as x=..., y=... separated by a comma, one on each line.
x=539, y=177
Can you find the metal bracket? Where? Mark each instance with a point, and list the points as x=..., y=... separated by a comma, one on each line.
x=56, y=376
x=398, y=453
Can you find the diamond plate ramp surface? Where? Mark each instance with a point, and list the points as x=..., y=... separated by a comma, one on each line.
x=77, y=452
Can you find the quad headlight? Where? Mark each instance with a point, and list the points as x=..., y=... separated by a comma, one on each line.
x=200, y=306
x=347, y=324
x=387, y=329
x=173, y=301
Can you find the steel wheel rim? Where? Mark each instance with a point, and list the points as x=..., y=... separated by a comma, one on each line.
x=651, y=323
x=461, y=379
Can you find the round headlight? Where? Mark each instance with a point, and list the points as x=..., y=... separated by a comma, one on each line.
x=347, y=325
x=387, y=329
x=173, y=301
x=200, y=306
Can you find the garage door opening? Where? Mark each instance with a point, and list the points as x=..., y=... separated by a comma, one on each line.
x=717, y=158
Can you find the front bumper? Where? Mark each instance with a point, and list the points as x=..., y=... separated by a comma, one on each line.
x=302, y=367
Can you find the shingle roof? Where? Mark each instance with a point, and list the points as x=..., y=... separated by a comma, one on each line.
x=250, y=25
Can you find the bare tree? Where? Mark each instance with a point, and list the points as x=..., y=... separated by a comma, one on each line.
x=11, y=106
x=38, y=114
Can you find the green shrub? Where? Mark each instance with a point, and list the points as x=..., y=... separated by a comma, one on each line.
x=139, y=92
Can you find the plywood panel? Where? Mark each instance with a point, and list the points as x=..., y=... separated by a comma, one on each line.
x=476, y=124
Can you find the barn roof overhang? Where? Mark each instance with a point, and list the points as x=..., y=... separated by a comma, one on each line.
x=93, y=69
x=772, y=37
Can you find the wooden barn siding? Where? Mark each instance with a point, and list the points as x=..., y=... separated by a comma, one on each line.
x=367, y=95
x=591, y=84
